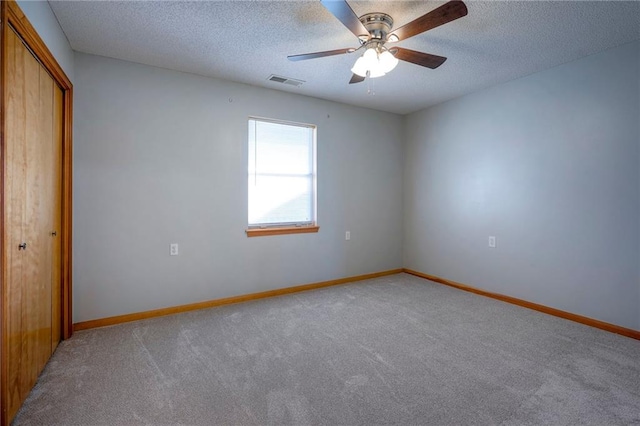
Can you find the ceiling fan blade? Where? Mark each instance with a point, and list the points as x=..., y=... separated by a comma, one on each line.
x=356, y=79
x=419, y=58
x=341, y=10
x=446, y=13
x=314, y=55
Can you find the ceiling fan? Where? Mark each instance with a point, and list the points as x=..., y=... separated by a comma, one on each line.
x=374, y=30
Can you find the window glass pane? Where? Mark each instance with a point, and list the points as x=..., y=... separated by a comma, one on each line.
x=282, y=149
x=281, y=173
x=277, y=199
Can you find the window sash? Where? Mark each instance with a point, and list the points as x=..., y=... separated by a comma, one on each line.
x=269, y=189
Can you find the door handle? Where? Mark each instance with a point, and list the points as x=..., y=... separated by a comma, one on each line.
x=54, y=233
x=22, y=246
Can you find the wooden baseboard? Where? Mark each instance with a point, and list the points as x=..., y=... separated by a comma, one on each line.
x=119, y=319
x=628, y=332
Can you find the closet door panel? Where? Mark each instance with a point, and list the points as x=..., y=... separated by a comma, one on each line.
x=15, y=194
x=32, y=287
x=56, y=239
x=39, y=219
x=30, y=143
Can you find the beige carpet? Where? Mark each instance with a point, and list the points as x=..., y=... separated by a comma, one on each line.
x=393, y=350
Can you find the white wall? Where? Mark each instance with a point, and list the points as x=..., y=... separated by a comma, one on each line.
x=160, y=157
x=550, y=165
x=41, y=16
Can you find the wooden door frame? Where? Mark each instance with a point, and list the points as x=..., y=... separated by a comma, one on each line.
x=12, y=18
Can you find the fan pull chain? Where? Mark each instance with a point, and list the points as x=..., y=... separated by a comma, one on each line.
x=371, y=90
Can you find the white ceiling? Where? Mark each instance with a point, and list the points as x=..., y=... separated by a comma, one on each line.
x=247, y=41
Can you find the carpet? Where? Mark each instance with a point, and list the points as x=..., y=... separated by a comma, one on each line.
x=392, y=350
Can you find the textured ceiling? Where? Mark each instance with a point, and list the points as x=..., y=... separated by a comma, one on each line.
x=247, y=41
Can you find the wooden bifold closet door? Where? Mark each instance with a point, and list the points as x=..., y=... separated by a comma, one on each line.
x=32, y=219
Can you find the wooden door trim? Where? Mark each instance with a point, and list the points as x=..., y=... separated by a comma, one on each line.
x=12, y=18
x=17, y=19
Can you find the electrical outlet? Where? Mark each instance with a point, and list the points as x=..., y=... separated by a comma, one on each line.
x=174, y=249
x=492, y=242
x=347, y=235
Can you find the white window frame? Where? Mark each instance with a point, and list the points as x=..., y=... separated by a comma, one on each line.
x=260, y=229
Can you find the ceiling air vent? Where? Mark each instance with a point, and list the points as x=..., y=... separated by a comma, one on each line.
x=285, y=80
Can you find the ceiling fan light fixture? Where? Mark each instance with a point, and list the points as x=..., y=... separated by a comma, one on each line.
x=387, y=61
x=366, y=63
x=370, y=58
x=373, y=64
x=359, y=67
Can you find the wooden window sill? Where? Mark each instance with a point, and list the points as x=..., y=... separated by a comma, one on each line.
x=263, y=232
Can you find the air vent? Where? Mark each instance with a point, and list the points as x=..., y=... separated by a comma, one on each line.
x=285, y=80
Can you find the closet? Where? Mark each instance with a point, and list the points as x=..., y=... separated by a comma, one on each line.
x=35, y=257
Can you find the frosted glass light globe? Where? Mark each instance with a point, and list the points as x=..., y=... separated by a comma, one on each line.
x=387, y=61
x=360, y=67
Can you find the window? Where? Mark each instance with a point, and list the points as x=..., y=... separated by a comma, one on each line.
x=282, y=177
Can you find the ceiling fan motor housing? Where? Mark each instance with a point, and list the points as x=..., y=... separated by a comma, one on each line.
x=378, y=24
